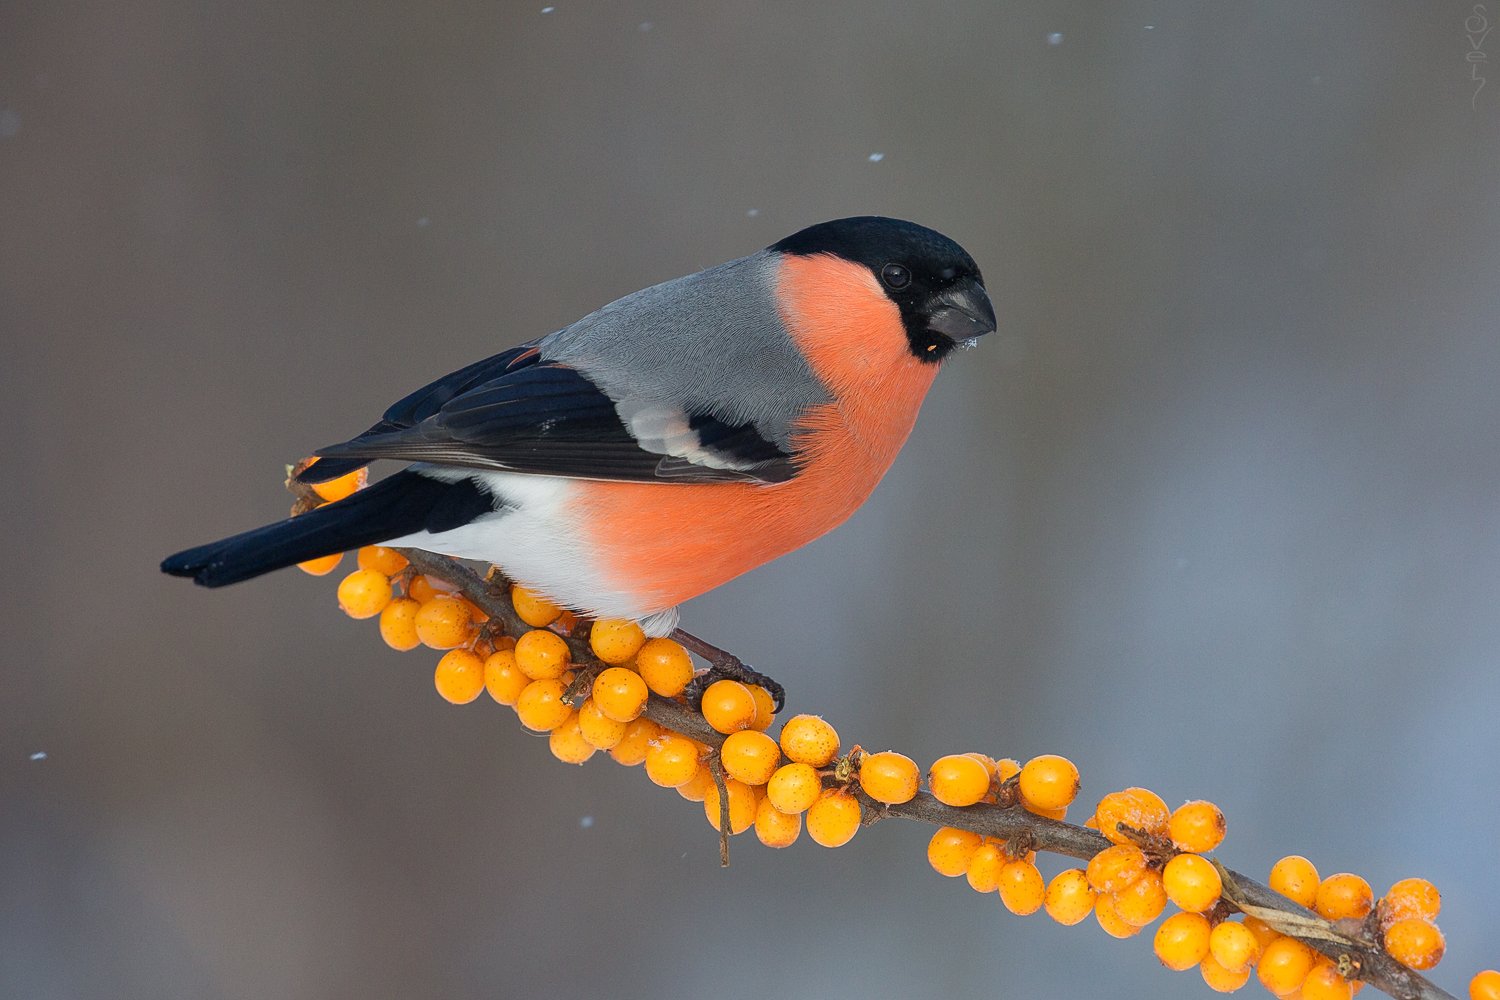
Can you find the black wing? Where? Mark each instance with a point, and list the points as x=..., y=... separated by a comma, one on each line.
x=413, y=408
x=517, y=413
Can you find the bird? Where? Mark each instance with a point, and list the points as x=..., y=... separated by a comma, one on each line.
x=664, y=444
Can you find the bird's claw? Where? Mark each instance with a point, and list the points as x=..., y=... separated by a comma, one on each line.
x=734, y=670
x=724, y=665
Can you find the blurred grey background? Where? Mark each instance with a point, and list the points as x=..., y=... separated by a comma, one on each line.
x=1215, y=512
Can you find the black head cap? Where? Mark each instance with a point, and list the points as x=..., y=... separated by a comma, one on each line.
x=932, y=279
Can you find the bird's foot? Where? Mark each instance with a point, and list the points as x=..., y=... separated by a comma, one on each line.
x=724, y=665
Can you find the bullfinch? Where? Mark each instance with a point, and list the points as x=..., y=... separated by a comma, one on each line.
x=668, y=442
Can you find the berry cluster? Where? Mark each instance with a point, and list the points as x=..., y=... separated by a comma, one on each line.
x=1046, y=786
x=744, y=778
x=1405, y=917
x=1156, y=858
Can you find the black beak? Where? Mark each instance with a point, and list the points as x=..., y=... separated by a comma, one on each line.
x=961, y=311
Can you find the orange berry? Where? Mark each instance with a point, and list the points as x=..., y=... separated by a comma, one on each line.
x=1142, y=901
x=631, y=750
x=443, y=623
x=1233, y=946
x=1137, y=808
x=1415, y=943
x=387, y=562
x=1410, y=897
x=540, y=706
x=728, y=706
x=1220, y=979
x=1154, y=809
x=765, y=708
x=567, y=743
x=1192, y=883
x=984, y=867
x=1006, y=768
x=1048, y=782
x=1264, y=933
x=1021, y=887
x=459, y=676
x=958, y=780
x=502, y=678
x=1181, y=941
x=794, y=788
x=742, y=806
x=1284, y=964
x=989, y=767
x=364, y=593
x=750, y=756
x=807, y=739
x=665, y=667
x=620, y=693
x=950, y=850
x=344, y=486
x=672, y=760
x=616, y=640
x=1485, y=986
x=775, y=828
x=1325, y=983
x=1070, y=898
x=1344, y=895
x=698, y=787
x=889, y=777
x=542, y=655
x=599, y=730
x=834, y=819
x=398, y=624
x=1057, y=814
x=322, y=565
x=1110, y=921
x=1114, y=868
x=1295, y=878
x=1196, y=826
x=534, y=609
x=424, y=588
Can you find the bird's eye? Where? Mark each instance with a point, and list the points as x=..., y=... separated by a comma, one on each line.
x=895, y=276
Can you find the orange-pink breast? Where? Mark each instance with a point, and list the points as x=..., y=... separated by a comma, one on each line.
x=668, y=543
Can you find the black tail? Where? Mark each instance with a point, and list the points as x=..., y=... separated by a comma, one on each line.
x=398, y=505
x=330, y=468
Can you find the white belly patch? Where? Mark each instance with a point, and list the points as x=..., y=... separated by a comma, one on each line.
x=535, y=542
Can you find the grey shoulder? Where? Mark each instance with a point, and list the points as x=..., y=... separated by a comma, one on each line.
x=744, y=284
x=710, y=342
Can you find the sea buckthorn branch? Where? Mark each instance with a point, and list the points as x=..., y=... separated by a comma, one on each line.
x=1350, y=947
x=592, y=686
